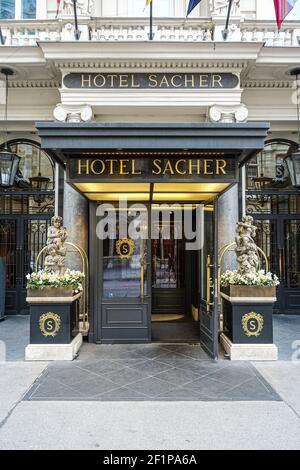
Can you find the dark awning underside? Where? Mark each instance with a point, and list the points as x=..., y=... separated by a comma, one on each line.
x=66, y=139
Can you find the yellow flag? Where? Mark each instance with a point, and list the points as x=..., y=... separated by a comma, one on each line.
x=148, y=2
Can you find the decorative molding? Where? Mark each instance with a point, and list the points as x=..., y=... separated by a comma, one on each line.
x=266, y=84
x=220, y=113
x=152, y=64
x=69, y=113
x=34, y=84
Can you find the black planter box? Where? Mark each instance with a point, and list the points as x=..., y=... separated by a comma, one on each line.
x=248, y=320
x=52, y=319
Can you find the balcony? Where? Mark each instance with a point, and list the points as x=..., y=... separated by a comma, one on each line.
x=29, y=32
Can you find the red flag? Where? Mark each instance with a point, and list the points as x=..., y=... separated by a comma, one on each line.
x=282, y=9
x=57, y=6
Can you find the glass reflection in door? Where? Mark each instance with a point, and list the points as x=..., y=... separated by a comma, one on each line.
x=124, y=262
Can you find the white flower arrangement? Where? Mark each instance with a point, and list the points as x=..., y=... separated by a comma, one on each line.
x=261, y=278
x=42, y=279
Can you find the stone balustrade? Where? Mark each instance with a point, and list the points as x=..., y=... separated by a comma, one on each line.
x=29, y=32
x=267, y=32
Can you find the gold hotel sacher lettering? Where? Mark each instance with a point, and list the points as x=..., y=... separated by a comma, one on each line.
x=182, y=167
x=178, y=80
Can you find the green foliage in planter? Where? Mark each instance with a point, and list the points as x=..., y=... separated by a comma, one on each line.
x=42, y=279
x=261, y=278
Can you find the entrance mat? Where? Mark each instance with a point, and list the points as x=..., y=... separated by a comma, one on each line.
x=184, y=332
x=152, y=372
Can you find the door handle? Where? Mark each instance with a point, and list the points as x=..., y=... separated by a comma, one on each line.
x=19, y=270
x=209, y=283
x=142, y=275
x=281, y=263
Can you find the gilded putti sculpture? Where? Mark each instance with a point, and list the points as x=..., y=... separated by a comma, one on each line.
x=55, y=260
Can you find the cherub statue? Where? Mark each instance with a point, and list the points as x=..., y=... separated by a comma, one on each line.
x=220, y=7
x=246, y=249
x=55, y=260
x=67, y=7
x=83, y=7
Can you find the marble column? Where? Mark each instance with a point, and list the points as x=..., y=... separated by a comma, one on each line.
x=228, y=215
x=76, y=222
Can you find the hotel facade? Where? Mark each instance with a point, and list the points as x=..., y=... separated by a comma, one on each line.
x=186, y=120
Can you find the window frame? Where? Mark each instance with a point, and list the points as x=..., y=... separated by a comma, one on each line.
x=292, y=146
x=19, y=11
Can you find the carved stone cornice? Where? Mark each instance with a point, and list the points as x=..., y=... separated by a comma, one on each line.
x=266, y=84
x=34, y=84
x=152, y=64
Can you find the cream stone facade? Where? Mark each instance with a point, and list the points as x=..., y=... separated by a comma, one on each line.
x=114, y=38
x=42, y=52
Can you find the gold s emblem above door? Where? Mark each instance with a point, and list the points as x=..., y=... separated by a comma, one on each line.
x=49, y=324
x=125, y=248
x=252, y=324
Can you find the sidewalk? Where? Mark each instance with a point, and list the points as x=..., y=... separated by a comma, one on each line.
x=200, y=422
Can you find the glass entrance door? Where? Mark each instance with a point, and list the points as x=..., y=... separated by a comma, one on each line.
x=168, y=267
x=124, y=281
x=208, y=284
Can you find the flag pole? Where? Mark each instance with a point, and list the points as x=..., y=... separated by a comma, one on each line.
x=225, y=32
x=77, y=33
x=1, y=37
x=151, y=35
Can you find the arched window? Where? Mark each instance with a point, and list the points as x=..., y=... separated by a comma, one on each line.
x=34, y=162
x=33, y=190
x=268, y=170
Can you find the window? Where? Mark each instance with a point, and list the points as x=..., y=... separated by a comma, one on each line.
x=268, y=170
x=28, y=9
x=17, y=9
x=7, y=9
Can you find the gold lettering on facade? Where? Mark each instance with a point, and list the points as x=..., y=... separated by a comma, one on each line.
x=204, y=83
x=207, y=169
x=133, y=169
x=157, y=167
x=112, y=77
x=164, y=81
x=153, y=81
x=168, y=168
x=99, y=80
x=221, y=167
x=177, y=169
x=134, y=84
x=123, y=167
x=217, y=80
x=123, y=81
x=181, y=166
x=85, y=167
x=179, y=83
x=111, y=165
x=85, y=80
x=190, y=81
x=101, y=165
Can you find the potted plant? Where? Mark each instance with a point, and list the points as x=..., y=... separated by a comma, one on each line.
x=248, y=295
x=260, y=284
x=50, y=284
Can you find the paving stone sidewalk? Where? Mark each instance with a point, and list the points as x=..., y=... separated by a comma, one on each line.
x=150, y=372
